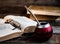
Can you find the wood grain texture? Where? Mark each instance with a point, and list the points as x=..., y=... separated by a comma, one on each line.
x=26, y=39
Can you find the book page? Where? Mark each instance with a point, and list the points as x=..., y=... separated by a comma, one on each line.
x=6, y=29
x=24, y=21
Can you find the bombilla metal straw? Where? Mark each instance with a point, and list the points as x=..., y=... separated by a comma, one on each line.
x=32, y=14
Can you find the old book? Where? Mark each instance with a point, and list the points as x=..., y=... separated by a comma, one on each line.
x=6, y=30
x=45, y=10
x=25, y=23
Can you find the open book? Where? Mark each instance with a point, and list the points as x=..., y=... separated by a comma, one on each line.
x=6, y=30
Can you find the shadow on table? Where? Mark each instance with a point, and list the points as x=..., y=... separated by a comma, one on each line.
x=25, y=38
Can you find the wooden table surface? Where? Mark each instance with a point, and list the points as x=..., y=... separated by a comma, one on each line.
x=29, y=39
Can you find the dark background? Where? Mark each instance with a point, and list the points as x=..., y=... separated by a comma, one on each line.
x=27, y=2
x=16, y=7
